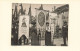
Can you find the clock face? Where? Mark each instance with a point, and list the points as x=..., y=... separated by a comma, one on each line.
x=41, y=18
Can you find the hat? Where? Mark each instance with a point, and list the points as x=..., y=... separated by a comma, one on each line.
x=65, y=22
x=47, y=22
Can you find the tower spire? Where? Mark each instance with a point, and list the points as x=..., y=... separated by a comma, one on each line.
x=54, y=7
x=41, y=7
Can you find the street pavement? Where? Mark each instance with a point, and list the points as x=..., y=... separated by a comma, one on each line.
x=56, y=41
x=59, y=41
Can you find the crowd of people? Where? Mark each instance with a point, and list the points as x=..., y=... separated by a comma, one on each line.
x=36, y=38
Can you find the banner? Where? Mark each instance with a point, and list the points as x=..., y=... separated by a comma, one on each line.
x=23, y=26
x=52, y=21
x=41, y=22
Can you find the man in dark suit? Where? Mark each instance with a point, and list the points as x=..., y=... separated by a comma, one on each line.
x=65, y=32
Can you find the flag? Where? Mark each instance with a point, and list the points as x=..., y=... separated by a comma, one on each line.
x=47, y=16
x=21, y=9
x=29, y=13
x=15, y=13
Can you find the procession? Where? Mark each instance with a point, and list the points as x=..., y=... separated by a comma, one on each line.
x=39, y=24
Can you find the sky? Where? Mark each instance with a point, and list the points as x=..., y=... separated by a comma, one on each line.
x=33, y=6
